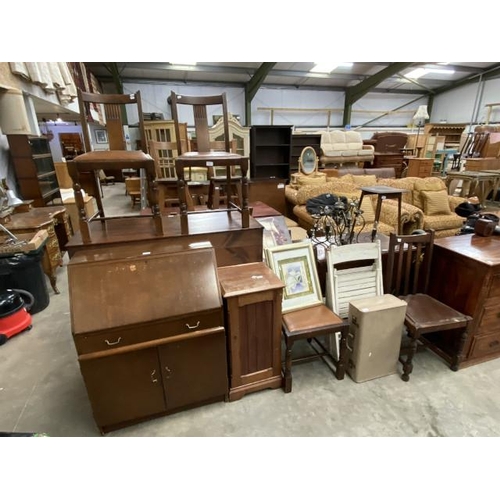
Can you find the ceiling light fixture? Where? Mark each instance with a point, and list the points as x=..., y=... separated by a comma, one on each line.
x=183, y=63
x=419, y=72
x=323, y=67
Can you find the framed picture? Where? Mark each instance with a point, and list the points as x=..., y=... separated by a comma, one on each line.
x=275, y=231
x=101, y=136
x=294, y=264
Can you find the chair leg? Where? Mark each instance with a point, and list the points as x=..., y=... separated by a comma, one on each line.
x=408, y=363
x=457, y=359
x=288, y=365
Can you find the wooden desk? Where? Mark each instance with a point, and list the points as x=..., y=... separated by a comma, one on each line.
x=56, y=222
x=470, y=266
x=167, y=352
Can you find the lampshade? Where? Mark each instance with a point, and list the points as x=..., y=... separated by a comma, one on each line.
x=13, y=115
x=13, y=200
x=421, y=115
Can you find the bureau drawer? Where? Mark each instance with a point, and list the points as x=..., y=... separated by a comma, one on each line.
x=135, y=334
x=490, y=317
x=484, y=346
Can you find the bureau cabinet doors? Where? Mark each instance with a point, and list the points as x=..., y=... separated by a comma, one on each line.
x=124, y=386
x=194, y=370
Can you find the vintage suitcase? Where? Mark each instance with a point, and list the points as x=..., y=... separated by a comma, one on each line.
x=374, y=340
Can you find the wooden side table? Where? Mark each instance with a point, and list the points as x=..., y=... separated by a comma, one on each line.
x=252, y=296
x=56, y=222
x=383, y=193
x=475, y=183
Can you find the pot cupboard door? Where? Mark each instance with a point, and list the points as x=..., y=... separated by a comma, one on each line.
x=124, y=386
x=194, y=370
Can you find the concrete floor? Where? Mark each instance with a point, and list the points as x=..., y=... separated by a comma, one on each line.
x=41, y=390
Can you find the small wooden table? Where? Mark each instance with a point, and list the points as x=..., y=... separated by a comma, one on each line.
x=56, y=222
x=475, y=183
x=382, y=192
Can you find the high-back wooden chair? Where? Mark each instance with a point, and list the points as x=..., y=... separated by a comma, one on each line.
x=407, y=275
x=353, y=272
x=111, y=109
x=205, y=156
x=163, y=154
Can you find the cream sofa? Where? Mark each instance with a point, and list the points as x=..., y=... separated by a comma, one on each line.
x=425, y=204
x=339, y=147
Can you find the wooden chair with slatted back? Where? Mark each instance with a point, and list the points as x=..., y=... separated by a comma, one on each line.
x=407, y=275
x=353, y=272
x=111, y=109
x=205, y=157
x=218, y=190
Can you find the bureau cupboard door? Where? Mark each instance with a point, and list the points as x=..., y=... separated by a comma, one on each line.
x=194, y=370
x=124, y=387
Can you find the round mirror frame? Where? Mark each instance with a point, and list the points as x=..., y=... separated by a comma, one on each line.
x=305, y=167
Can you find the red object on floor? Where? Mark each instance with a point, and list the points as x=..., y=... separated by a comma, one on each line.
x=15, y=323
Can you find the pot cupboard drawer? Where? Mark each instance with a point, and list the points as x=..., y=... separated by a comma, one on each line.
x=131, y=334
x=495, y=286
x=484, y=346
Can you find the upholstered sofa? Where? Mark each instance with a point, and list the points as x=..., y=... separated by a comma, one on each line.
x=339, y=147
x=425, y=205
x=349, y=186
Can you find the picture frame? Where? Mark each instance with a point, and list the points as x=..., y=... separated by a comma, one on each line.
x=295, y=265
x=101, y=136
x=275, y=231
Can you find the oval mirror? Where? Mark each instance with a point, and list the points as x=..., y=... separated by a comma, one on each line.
x=308, y=160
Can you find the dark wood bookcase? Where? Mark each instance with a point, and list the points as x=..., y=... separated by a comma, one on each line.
x=270, y=151
x=34, y=168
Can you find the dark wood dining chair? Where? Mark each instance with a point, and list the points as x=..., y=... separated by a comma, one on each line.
x=205, y=156
x=407, y=275
x=111, y=109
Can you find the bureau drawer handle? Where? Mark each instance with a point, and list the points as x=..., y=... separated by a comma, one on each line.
x=153, y=378
x=194, y=326
x=113, y=343
x=494, y=343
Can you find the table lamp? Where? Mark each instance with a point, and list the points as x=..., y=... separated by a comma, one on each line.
x=419, y=119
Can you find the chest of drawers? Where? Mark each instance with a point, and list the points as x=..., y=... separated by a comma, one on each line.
x=466, y=276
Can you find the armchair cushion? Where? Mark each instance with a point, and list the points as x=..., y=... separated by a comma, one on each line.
x=436, y=202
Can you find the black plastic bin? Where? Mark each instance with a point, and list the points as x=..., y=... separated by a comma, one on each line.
x=25, y=271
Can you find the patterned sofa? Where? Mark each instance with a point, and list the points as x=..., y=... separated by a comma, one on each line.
x=426, y=204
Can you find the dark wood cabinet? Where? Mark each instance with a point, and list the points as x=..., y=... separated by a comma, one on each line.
x=146, y=346
x=34, y=168
x=270, y=151
x=466, y=271
x=301, y=141
x=252, y=306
